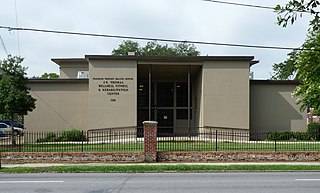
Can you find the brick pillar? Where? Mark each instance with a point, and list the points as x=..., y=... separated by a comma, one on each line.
x=150, y=141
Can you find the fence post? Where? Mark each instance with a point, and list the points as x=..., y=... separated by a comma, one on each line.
x=83, y=138
x=275, y=142
x=150, y=141
x=216, y=140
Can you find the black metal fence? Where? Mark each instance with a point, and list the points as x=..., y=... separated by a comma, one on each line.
x=103, y=140
x=128, y=139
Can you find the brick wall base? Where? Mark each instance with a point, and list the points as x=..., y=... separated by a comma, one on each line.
x=81, y=157
x=175, y=157
x=195, y=157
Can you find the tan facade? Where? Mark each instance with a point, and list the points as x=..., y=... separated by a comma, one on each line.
x=273, y=108
x=112, y=93
x=60, y=105
x=70, y=68
x=178, y=92
x=225, y=97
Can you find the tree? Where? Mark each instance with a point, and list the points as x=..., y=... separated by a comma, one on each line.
x=288, y=14
x=305, y=65
x=14, y=93
x=286, y=70
x=125, y=47
x=50, y=75
x=153, y=48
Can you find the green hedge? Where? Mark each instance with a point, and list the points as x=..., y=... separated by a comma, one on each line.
x=68, y=135
x=287, y=135
x=314, y=130
x=313, y=133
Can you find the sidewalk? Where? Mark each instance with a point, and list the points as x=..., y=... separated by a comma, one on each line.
x=128, y=164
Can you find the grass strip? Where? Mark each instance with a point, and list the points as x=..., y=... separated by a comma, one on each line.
x=158, y=168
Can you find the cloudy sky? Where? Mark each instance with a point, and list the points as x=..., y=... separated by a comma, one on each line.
x=193, y=20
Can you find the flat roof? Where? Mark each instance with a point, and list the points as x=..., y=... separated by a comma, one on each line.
x=171, y=58
x=61, y=61
x=58, y=80
x=295, y=82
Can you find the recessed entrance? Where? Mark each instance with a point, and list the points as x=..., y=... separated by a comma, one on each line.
x=165, y=95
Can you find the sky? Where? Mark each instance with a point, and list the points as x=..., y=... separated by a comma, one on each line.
x=192, y=20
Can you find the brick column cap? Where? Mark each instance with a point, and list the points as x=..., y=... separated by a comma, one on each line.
x=150, y=122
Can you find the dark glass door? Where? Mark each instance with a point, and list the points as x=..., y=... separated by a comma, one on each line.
x=165, y=120
x=164, y=106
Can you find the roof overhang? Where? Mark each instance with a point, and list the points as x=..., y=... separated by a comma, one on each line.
x=172, y=58
x=62, y=61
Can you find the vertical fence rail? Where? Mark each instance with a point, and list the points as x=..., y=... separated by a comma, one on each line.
x=130, y=139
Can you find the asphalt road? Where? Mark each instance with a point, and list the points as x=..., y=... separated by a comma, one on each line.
x=267, y=182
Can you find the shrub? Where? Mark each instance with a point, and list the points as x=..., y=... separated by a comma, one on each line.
x=72, y=135
x=68, y=135
x=287, y=135
x=301, y=136
x=50, y=137
x=314, y=130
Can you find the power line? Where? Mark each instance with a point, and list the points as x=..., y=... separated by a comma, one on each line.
x=241, y=4
x=4, y=46
x=151, y=39
x=251, y=5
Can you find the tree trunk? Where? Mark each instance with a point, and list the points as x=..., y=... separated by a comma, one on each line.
x=13, y=136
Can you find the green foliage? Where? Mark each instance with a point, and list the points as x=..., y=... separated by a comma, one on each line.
x=316, y=112
x=153, y=48
x=289, y=13
x=304, y=64
x=287, y=135
x=50, y=137
x=14, y=93
x=68, y=135
x=127, y=46
x=287, y=69
x=314, y=130
x=72, y=135
x=50, y=75
x=159, y=168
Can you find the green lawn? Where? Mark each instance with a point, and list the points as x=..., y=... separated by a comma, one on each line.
x=164, y=146
x=159, y=168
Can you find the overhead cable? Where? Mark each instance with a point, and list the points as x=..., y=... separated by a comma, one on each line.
x=241, y=4
x=251, y=5
x=151, y=39
x=4, y=46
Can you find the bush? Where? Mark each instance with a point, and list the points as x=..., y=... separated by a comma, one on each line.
x=287, y=135
x=51, y=137
x=68, y=135
x=314, y=130
x=72, y=135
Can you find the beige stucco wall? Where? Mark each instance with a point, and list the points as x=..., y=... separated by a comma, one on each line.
x=198, y=113
x=59, y=106
x=225, y=100
x=70, y=70
x=273, y=108
x=107, y=108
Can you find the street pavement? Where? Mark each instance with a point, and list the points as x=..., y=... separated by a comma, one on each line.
x=265, y=182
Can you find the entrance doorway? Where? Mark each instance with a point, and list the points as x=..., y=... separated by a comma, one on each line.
x=165, y=95
x=169, y=104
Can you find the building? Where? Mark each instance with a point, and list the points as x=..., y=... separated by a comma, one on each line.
x=103, y=91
